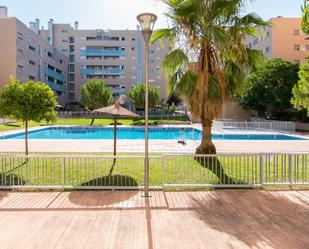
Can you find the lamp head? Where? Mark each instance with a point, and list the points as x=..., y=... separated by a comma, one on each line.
x=147, y=22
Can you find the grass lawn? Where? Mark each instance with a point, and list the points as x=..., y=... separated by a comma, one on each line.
x=84, y=121
x=91, y=171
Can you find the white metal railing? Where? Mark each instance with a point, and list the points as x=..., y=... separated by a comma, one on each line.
x=175, y=170
x=284, y=126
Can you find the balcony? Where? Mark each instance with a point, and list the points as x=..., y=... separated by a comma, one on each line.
x=106, y=71
x=54, y=86
x=101, y=52
x=54, y=74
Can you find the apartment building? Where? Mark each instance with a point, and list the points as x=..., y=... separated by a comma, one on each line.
x=115, y=56
x=284, y=39
x=26, y=56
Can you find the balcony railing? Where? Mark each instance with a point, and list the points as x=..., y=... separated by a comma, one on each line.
x=105, y=71
x=54, y=74
x=101, y=52
x=54, y=86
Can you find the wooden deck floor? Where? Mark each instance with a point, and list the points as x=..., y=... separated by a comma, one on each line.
x=124, y=219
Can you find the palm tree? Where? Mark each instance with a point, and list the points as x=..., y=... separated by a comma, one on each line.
x=210, y=60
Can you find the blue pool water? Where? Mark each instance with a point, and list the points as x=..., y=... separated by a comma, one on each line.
x=138, y=133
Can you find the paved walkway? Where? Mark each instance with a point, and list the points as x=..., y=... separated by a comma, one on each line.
x=124, y=219
x=155, y=146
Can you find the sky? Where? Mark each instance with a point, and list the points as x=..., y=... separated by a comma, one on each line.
x=121, y=14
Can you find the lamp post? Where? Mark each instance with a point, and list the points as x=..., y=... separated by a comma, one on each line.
x=146, y=21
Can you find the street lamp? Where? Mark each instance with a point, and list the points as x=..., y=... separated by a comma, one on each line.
x=147, y=22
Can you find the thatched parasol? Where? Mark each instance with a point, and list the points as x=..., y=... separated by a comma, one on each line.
x=116, y=111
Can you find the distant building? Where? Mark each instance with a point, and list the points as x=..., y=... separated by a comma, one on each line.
x=26, y=56
x=284, y=39
x=115, y=56
x=65, y=57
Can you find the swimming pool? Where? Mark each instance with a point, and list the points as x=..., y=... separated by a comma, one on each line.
x=131, y=133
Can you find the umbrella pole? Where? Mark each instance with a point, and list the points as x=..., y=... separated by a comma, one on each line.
x=115, y=137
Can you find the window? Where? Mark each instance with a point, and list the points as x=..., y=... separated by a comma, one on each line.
x=296, y=32
x=123, y=38
x=20, y=36
x=256, y=41
x=31, y=62
x=250, y=45
x=71, y=39
x=133, y=39
x=20, y=52
x=20, y=68
x=31, y=48
x=133, y=48
x=152, y=60
x=31, y=77
x=72, y=57
x=152, y=51
x=71, y=68
x=72, y=77
x=267, y=50
x=65, y=50
x=268, y=34
x=64, y=40
x=64, y=31
x=297, y=61
x=49, y=54
x=61, y=61
x=82, y=58
x=297, y=47
x=307, y=47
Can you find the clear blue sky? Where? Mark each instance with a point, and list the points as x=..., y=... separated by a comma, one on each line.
x=120, y=14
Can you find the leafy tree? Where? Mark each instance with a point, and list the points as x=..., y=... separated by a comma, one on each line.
x=29, y=101
x=137, y=96
x=95, y=94
x=210, y=61
x=300, y=99
x=305, y=18
x=270, y=89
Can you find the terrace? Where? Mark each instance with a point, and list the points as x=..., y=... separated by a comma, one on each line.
x=124, y=219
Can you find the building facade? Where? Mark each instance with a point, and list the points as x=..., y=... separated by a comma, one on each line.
x=284, y=39
x=115, y=56
x=65, y=57
x=26, y=56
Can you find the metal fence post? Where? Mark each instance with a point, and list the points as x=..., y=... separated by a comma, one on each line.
x=262, y=171
x=290, y=170
x=63, y=173
x=163, y=173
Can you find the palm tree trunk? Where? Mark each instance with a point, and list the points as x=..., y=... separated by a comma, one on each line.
x=26, y=138
x=206, y=146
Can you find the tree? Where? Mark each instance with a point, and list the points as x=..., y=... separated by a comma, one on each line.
x=137, y=96
x=95, y=94
x=270, y=89
x=210, y=60
x=28, y=101
x=305, y=18
x=300, y=98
